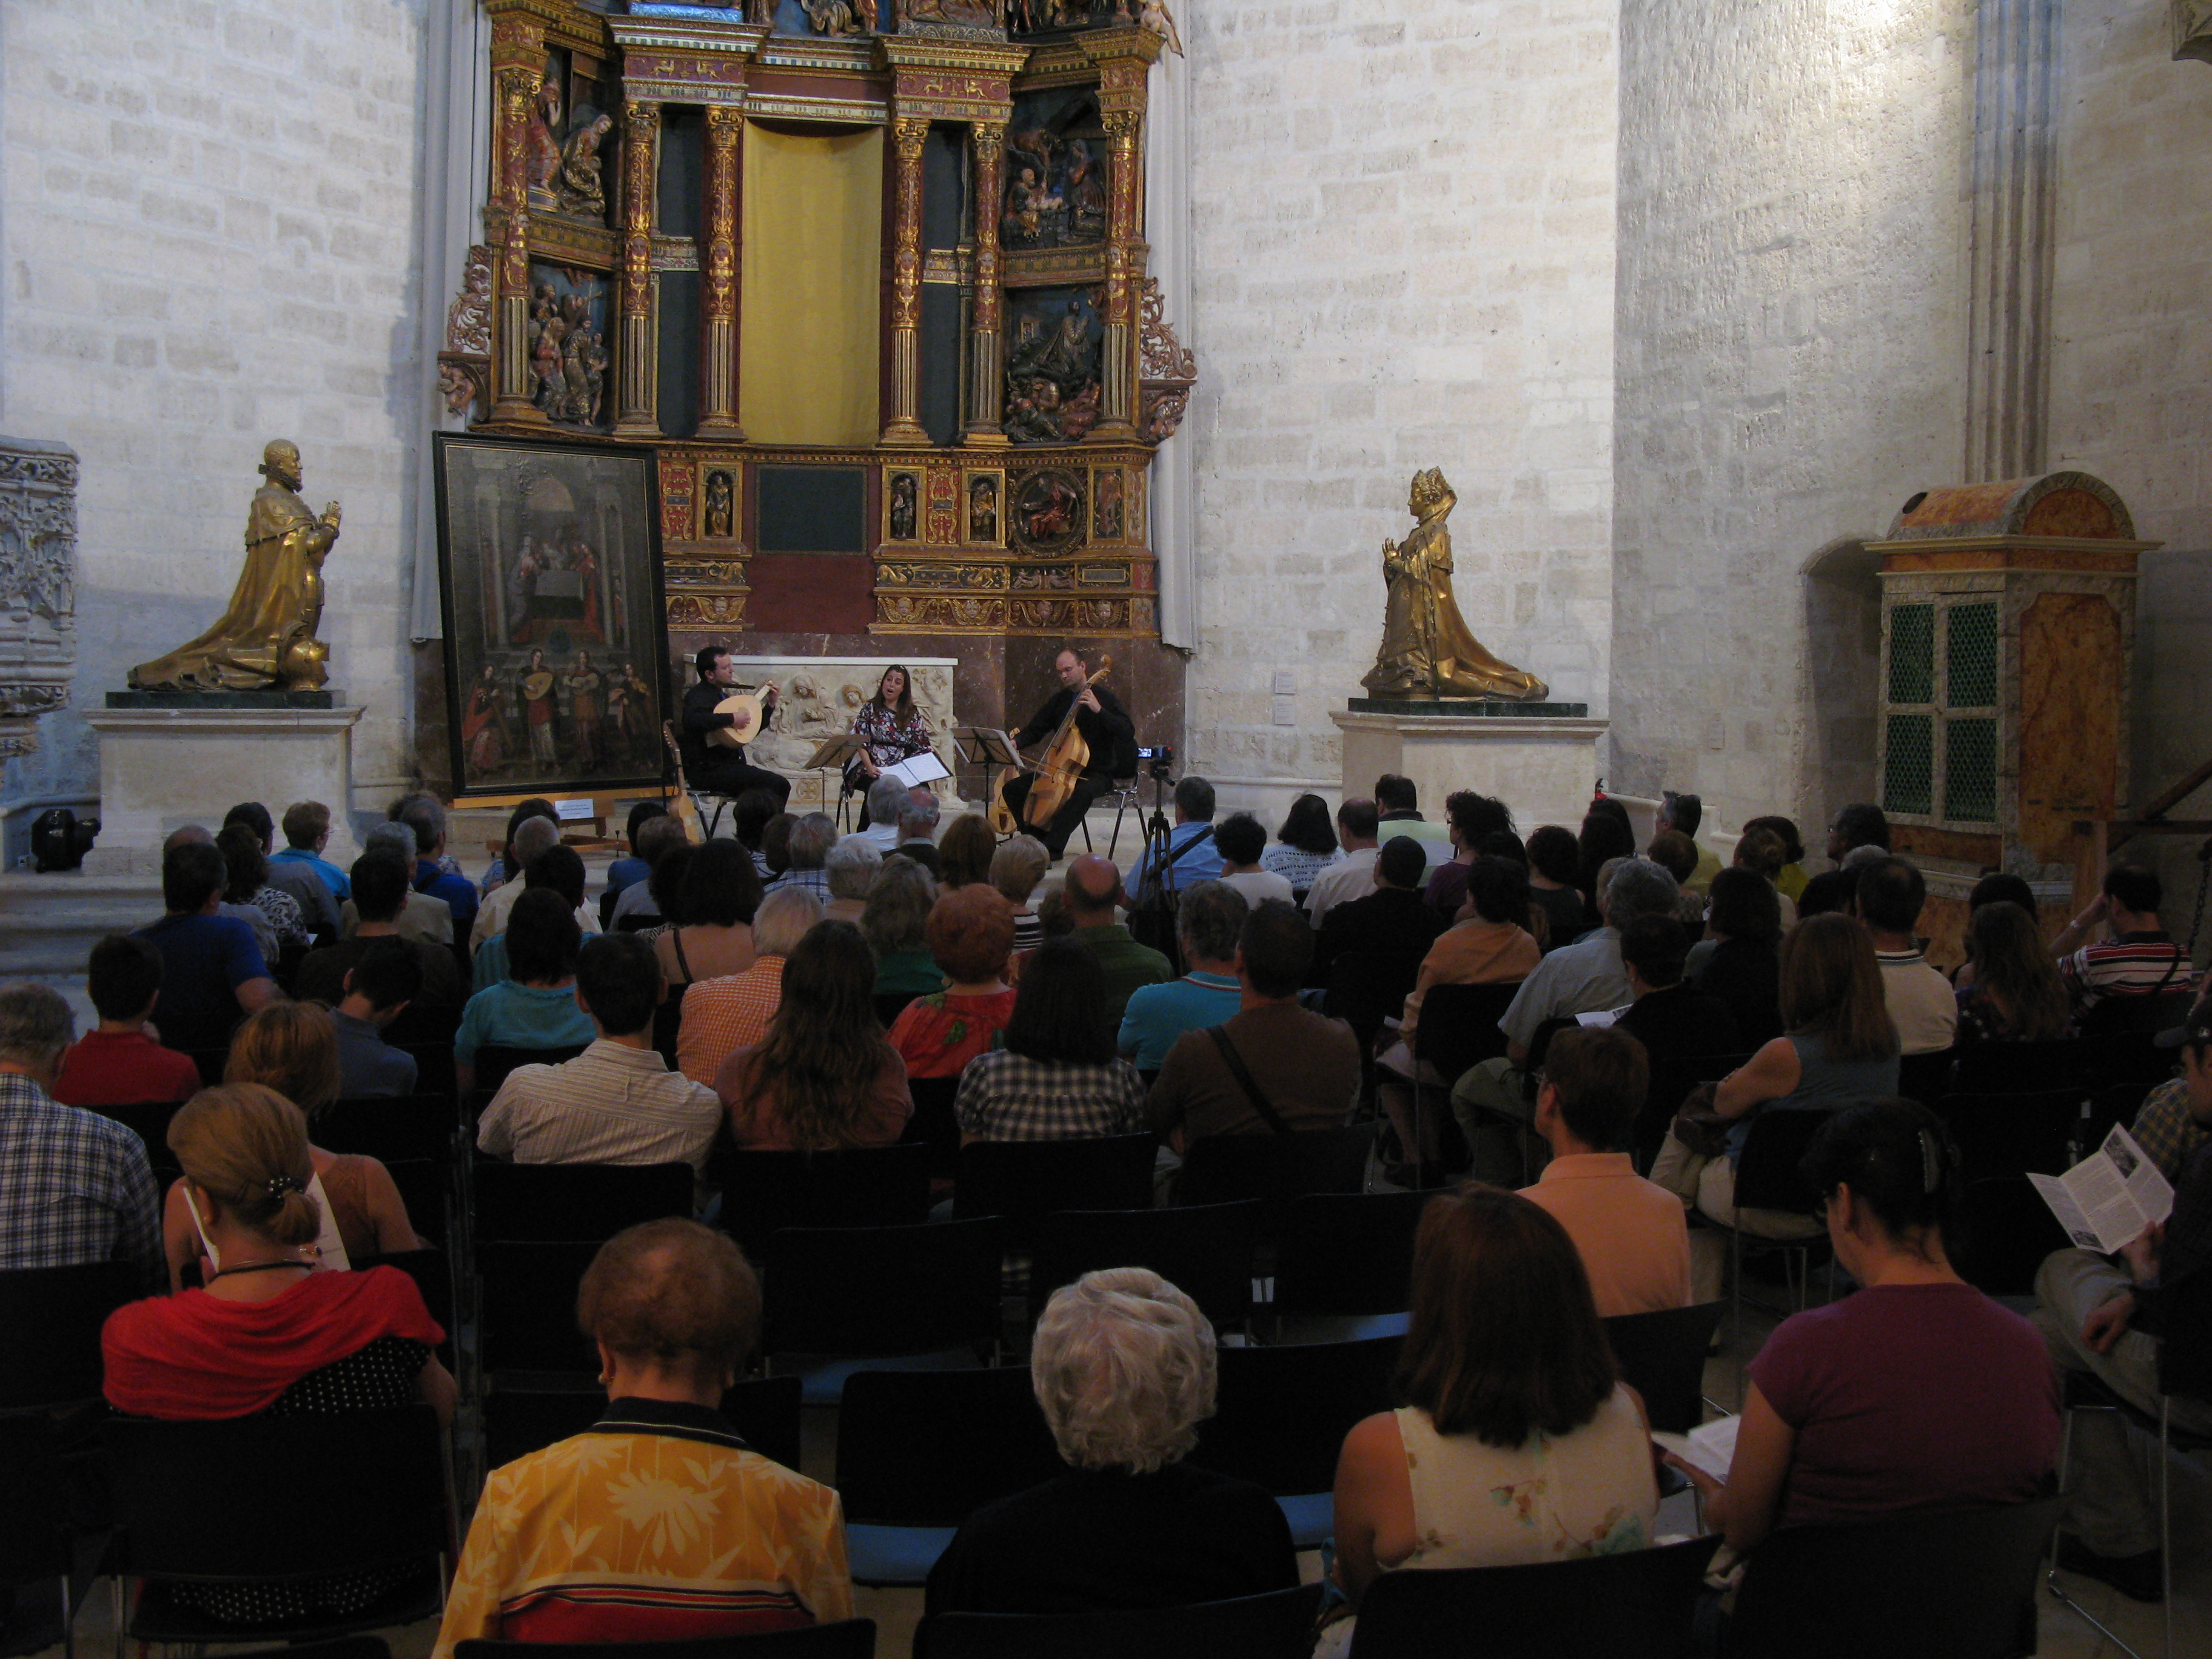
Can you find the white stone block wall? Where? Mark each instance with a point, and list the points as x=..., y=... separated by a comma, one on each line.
x=1403, y=258
x=1792, y=357
x=207, y=226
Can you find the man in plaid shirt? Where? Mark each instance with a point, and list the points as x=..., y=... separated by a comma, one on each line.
x=812, y=838
x=75, y=1187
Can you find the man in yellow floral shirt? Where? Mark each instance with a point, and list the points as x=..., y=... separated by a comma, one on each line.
x=657, y=1523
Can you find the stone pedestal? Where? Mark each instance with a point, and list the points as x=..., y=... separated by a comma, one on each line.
x=162, y=767
x=1544, y=766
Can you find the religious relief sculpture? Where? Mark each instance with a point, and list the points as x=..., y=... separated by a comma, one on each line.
x=266, y=640
x=578, y=186
x=1053, y=369
x=835, y=17
x=1427, y=650
x=1057, y=194
x=957, y=13
x=567, y=344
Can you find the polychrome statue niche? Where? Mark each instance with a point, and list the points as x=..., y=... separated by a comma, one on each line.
x=569, y=355
x=1057, y=190
x=568, y=144
x=1054, y=348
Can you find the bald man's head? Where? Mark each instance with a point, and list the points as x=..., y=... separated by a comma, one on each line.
x=191, y=835
x=1094, y=887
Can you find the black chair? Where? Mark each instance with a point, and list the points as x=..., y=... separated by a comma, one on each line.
x=431, y=1040
x=848, y=1639
x=1222, y=1168
x=1638, y=1604
x=426, y=1189
x=525, y=1293
x=2130, y=1057
x=338, y=1647
x=2015, y=1069
x=52, y=1316
x=433, y=1274
x=764, y=1410
x=764, y=1192
x=494, y=1060
x=1276, y=1625
x=194, y=1503
x=1344, y=1264
x=1457, y=1029
x=1662, y=1357
x=151, y=1123
x=935, y=1124
x=668, y=1025
x=2005, y=1231
x=1023, y=1181
x=918, y=1452
x=550, y=1201
x=878, y=1291
x=1672, y=1080
x=1926, y=1077
x=395, y=1128
x=1205, y=1250
x=1282, y=1416
x=1955, y=1586
x=35, y=1544
x=1767, y=1178
x=2013, y=1133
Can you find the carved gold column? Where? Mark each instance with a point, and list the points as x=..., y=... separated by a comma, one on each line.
x=637, y=414
x=1118, y=403
x=518, y=53
x=986, y=382
x=902, y=430
x=718, y=295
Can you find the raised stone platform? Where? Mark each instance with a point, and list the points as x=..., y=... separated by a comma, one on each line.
x=1544, y=765
x=326, y=698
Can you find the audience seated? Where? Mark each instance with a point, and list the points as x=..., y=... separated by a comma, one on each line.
x=426, y=818
x=1999, y=887
x=1914, y=1392
x=1677, y=855
x=721, y=1016
x=1305, y=847
x=721, y=892
x=618, y=1102
x=533, y=837
x=290, y=1048
x=1469, y=819
x=507, y=865
x=1790, y=878
x=1740, y=960
x=965, y=852
x=2135, y=958
x=75, y=1187
x=318, y=904
x=1630, y=1234
x=750, y=817
x=1243, y=843
x=660, y=907
x=2166, y=1131
x=1398, y=812
x=1840, y=1047
x=1681, y=813
x=917, y=831
x=812, y=838
x=1058, y=1077
x=1093, y=894
x=1352, y=875
x=377, y=990
x=630, y=869
x=1859, y=832
x=971, y=936
x=850, y=870
x=1517, y=1442
x=2106, y=1319
x=1553, y=857
x=1016, y=867
x=660, y=1522
x=307, y=832
x=535, y=1006
x=895, y=922
x=825, y=1078
x=210, y=965
x=245, y=883
x=1761, y=851
x=1390, y=927
x=117, y=1063
x=775, y=847
x=1274, y=1067
x=1209, y=918
x=381, y=900
x=1672, y=1020
x=1890, y=895
x=1192, y=857
x=1123, y=1366
x=1605, y=836
x=560, y=870
x=269, y=1334
x=2015, y=993
x=425, y=919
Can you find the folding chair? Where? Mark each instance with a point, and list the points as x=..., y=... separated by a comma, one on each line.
x=52, y=1316
x=1282, y=1416
x=36, y=1547
x=1344, y=1266
x=2005, y=1231
x=935, y=1124
x=1204, y=1250
x=1638, y=1604
x=526, y=1296
x=1457, y=1029
x=427, y=1190
x=1276, y=1625
x=2018, y=1068
x=594, y=1201
x=151, y=1123
x=1221, y=1169
x=918, y=1452
x=1672, y=1080
x=1767, y=1178
x=1023, y=1181
x=2013, y=1133
x=1662, y=1357
x=394, y=1128
x=847, y=1639
x=667, y=1024
x=494, y=1060
x=433, y=1274
x=1926, y=1077
x=863, y=1187
x=764, y=1410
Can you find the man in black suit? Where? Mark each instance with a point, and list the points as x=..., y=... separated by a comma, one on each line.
x=713, y=767
x=1106, y=726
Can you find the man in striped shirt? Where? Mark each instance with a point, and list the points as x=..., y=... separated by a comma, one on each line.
x=2137, y=958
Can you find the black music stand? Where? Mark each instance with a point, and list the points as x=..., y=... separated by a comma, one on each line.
x=834, y=756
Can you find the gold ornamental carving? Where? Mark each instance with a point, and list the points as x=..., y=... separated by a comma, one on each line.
x=1427, y=649
x=706, y=610
x=940, y=613
x=979, y=578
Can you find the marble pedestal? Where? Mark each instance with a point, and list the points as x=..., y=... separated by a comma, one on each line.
x=162, y=767
x=1543, y=767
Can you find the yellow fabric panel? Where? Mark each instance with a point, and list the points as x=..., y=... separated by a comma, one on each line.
x=812, y=224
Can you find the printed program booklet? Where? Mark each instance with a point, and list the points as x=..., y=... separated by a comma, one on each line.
x=2106, y=1200
x=1709, y=1446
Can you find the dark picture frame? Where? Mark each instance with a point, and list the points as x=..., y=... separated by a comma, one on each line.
x=557, y=639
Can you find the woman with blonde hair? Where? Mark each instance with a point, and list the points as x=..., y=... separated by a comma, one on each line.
x=291, y=1049
x=1839, y=1046
x=268, y=1333
x=825, y=1078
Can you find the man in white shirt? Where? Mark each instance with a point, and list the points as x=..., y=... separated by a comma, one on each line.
x=1921, y=1000
x=1351, y=877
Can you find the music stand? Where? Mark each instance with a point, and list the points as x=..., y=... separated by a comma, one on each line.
x=834, y=756
x=989, y=747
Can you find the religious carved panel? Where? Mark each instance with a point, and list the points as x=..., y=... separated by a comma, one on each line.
x=38, y=586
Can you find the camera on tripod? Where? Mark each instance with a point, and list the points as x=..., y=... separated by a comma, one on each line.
x=1158, y=763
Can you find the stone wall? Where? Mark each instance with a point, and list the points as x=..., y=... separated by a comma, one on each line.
x=209, y=231
x=1791, y=354
x=1403, y=258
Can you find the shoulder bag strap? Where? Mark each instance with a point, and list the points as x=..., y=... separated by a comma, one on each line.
x=1243, y=1073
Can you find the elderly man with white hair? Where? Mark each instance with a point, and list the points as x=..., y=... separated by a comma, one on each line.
x=850, y=870
x=532, y=837
x=879, y=812
x=1123, y=1365
x=812, y=838
x=723, y=1015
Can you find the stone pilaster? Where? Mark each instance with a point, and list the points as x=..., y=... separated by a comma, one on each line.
x=2009, y=257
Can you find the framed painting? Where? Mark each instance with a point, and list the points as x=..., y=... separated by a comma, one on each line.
x=549, y=556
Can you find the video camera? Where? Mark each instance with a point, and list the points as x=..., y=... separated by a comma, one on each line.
x=1158, y=763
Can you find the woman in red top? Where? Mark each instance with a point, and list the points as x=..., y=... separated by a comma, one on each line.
x=971, y=935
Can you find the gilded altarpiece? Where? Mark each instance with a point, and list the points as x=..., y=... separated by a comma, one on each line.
x=1020, y=369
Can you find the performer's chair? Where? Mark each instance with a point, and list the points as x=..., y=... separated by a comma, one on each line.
x=701, y=799
x=1122, y=791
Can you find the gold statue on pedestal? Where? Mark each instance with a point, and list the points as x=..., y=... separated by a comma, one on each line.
x=265, y=641
x=1427, y=651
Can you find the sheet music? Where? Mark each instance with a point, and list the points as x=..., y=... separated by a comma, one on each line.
x=921, y=769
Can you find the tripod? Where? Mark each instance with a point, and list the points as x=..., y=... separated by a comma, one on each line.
x=1159, y=883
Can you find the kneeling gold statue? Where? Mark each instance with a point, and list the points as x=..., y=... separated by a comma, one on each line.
x=266, y=640
x=1427, y=649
